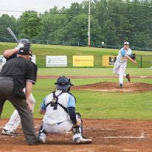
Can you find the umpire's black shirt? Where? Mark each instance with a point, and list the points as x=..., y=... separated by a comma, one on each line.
x=20, y=70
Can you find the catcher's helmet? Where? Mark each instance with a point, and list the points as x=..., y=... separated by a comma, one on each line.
x=63, y=83
x=26, y=49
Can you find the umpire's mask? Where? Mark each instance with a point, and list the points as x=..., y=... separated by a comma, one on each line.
x=63, y=83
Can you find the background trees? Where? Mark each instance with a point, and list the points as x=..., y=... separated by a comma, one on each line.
x=112, y=21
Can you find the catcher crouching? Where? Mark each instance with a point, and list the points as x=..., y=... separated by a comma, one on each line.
x=59, y=113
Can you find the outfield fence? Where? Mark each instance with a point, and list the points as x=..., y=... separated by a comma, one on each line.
x=143, y=61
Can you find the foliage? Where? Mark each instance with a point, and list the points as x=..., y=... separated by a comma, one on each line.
x=30, y=24
x=112, y=22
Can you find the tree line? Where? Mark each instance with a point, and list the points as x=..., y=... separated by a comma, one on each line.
x=112, y=22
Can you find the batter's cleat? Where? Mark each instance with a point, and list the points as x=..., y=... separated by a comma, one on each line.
x=128, y=77
x=78, y=139
x=121, y=85
x=8, y=133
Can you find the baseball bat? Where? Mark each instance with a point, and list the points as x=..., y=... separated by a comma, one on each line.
x=12, y=34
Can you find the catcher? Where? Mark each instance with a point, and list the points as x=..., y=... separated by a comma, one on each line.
x=59, y=113
x=120, y=65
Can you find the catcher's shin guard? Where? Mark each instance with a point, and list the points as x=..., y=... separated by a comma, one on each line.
x=42, y=134
x=78, y=137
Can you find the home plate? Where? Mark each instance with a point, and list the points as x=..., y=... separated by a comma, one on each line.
x=126, y=137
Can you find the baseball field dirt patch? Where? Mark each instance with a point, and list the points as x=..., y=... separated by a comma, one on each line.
x=114, y=87
x=107, y=135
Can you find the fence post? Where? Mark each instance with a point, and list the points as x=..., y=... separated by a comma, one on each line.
x=141, y=61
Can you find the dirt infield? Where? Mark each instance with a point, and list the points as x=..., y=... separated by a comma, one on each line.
x=114, y=87
x=107, y=135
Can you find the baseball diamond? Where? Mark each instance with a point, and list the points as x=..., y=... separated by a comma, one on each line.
x=109, y=113
x=76, y=76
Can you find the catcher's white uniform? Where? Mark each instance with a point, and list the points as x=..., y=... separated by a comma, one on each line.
x=59, y=113
x=57, y=120
x=121, y=64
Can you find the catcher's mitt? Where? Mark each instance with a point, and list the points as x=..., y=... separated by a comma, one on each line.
x=133, y=56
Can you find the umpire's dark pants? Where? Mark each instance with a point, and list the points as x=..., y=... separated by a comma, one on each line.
x=6, y=93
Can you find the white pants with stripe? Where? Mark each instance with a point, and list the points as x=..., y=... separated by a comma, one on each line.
x=120, y=70
x=14, y=120
x=60, y=128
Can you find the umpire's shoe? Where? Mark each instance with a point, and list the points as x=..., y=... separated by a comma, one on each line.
x=36, y=142
x=128, y=77
x=8, y=133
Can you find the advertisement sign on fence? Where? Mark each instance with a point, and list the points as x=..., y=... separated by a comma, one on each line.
x=83, y=61
x=56, y=61
x=108, y=60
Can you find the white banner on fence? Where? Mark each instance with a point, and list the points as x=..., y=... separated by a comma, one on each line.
x=56, y=61
x=34, y=58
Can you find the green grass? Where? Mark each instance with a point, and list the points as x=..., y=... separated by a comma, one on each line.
x=42, y=50
x=91, y=71
x=97, y=104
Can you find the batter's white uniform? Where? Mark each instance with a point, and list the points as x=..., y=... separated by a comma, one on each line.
x=2, y=61
x=57, y=120
x=121, y=64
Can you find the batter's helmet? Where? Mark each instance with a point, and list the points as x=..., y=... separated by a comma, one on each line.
x=26, y=49
x=63, y=83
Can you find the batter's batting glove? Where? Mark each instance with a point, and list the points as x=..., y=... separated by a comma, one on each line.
x=20, y=46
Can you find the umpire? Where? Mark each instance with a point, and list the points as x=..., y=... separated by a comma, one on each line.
x=16, y=74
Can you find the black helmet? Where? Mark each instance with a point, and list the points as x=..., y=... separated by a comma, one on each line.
x=63, y=83
x=26, y=49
